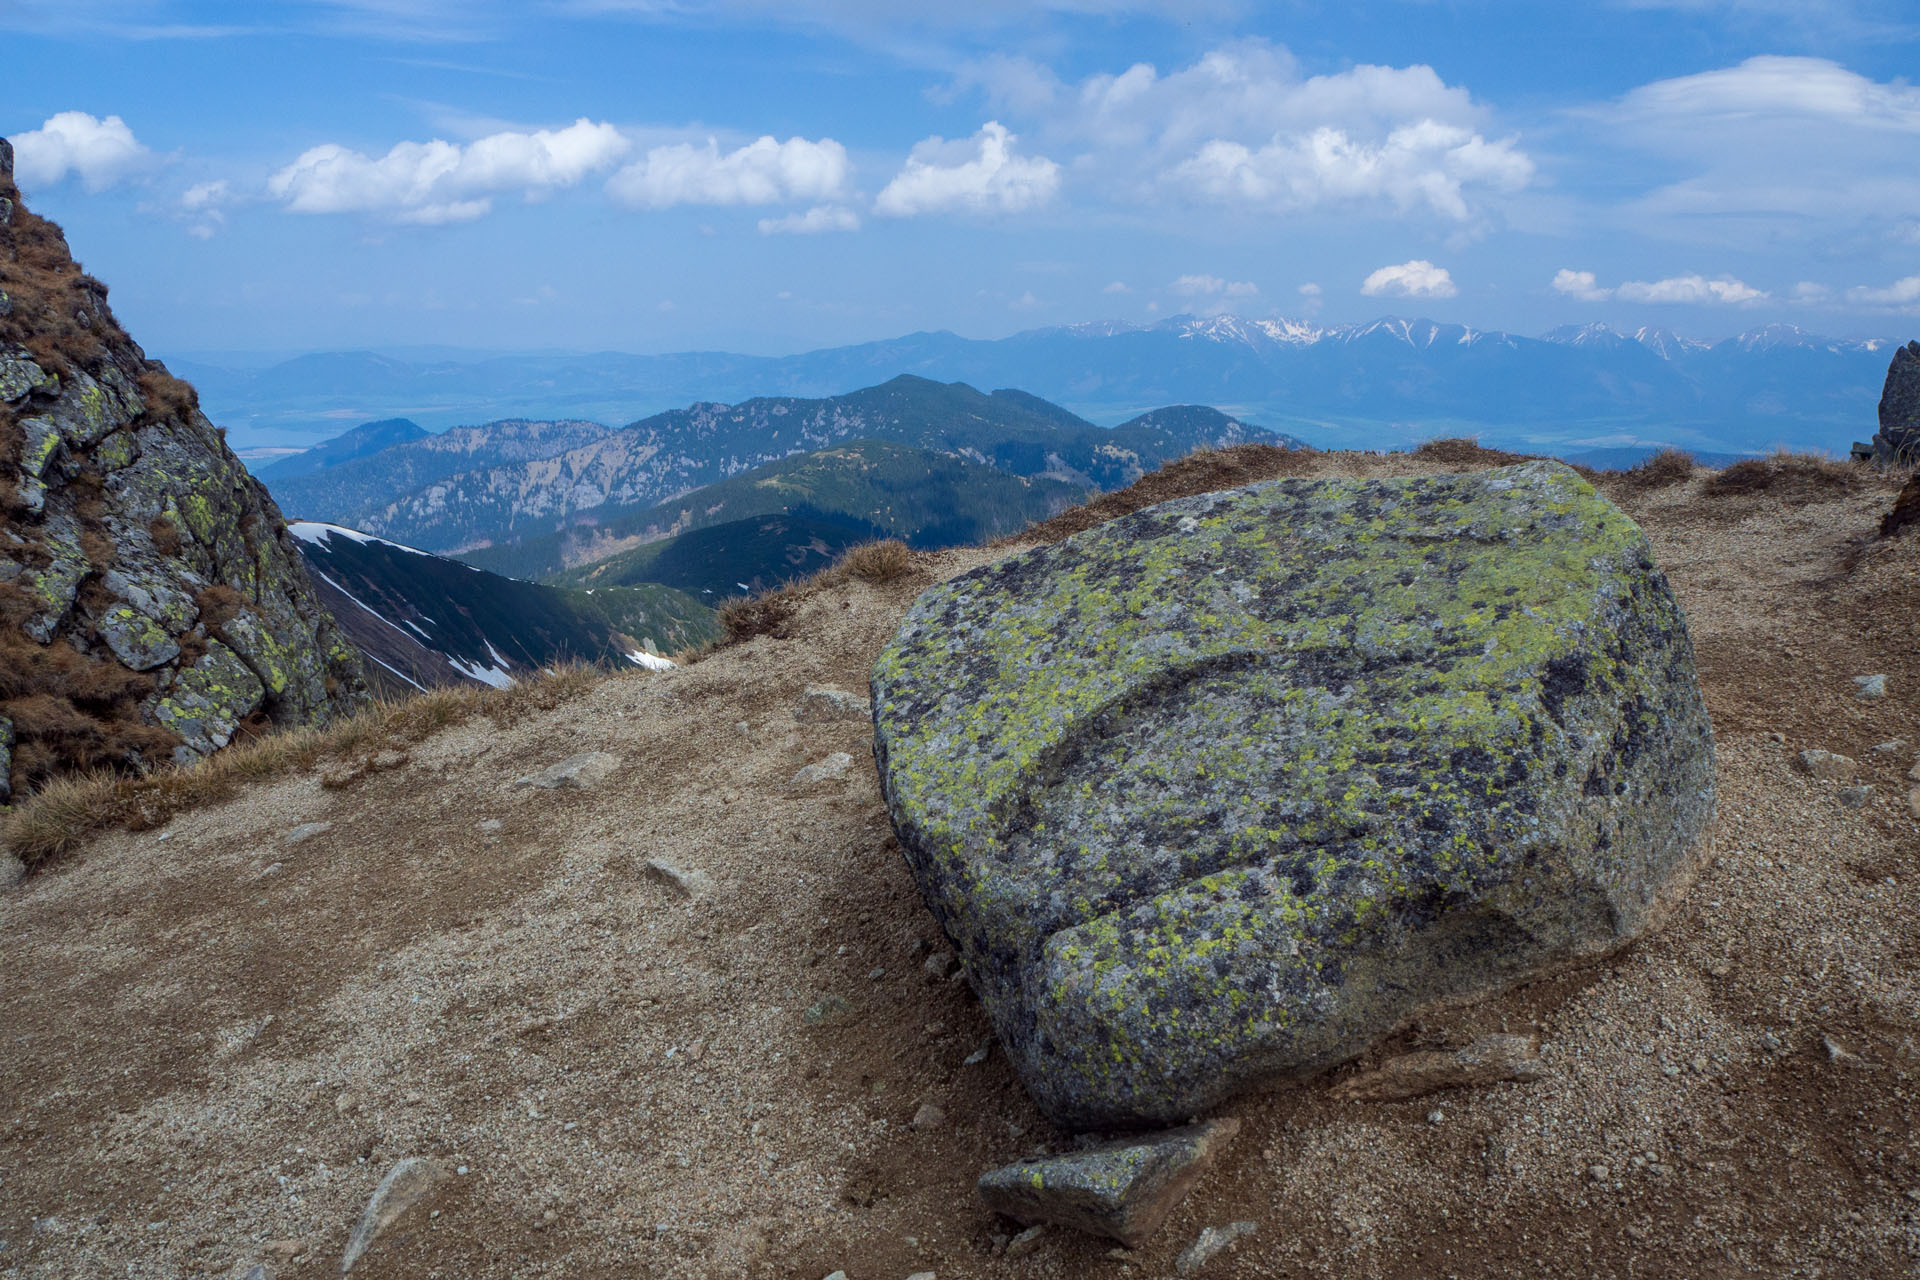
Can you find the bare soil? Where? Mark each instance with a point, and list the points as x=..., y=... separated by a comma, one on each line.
x=217, y=1042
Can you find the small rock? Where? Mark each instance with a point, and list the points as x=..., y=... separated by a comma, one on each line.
x=258, y=1271
x=1436, y=1117
x=1824, y=764
x=821, y=705
x=1855, y=797
x=938, y=965
x=490, y=825
x=1210, y=1242
x=1123, y=1189
x=307, y=831
x=285, y=1250
x=834, y=766
x=1913, y=774
x=1024, y=1243
x=1913, y=807
x=838, y=1275
x=1837, y=1052
x=1485, y=1061
x=12, y=871
x=929, y=1116
x=978, y=1056
x=923, y=1275
x=1893, y=747
x=589, y=769
x=684, y=884
x=1870, y=688
x=827, y=1011
x=406, y=1185
x=1599, y=1172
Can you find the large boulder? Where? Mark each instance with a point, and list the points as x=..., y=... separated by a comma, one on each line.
x=1225, y=790
x=1898, y=439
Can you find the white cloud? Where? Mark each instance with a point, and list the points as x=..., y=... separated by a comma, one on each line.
x=1424, y=165
x=994, y=180
x=762, y=172
x=1784, y=144
x=1118, y=286
x=1416, y=279
x=1580, y=284
x=1243, y=126
x=1902, y=294
x=823, y=217
x=203, y=207
x=439, y=182
x=1208, y=286
x=1026, y=302
x=1810, y=291
x=1697, y=290
x=1311, y=290
x=98, y=152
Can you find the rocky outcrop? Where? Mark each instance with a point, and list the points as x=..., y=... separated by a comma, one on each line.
x=151, y=601
x=1898, y=439
x=1225, y=790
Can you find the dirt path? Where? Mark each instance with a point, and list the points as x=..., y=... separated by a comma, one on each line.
x=216, y=1042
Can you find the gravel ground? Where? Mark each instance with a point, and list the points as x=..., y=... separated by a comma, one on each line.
x=217, y=1042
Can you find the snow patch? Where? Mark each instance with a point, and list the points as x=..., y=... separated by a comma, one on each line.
x=652, y=662
x=319, y=533
x=494, y=676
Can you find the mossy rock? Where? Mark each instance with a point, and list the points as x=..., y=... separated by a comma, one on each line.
x=1224, y=791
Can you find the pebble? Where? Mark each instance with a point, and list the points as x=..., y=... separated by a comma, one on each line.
x=978, y=1056
x=12, y=871
x=834, y=766
x=1436, y=1117
x=929, y=1116
x=1870, y=688
x=1856, y=797
x=1599, y=1172
x=406, y=1185
x=1913, y=802
x=1893, y=747
x=586, y=770
x=683, y=884
x=827, y=1011
x=1210, y=1242
x=938, y=965
x=1824, y=764
x=923, y=1275
x=490, y=824
x=1025, y=1243
x=307, y=831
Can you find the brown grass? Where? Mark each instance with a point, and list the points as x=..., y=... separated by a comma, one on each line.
x=165, y=535
x=885, y=561
x=1665, y=468
x=1464, y=451
x=71, y=808
x=762, y=615
x=167, y=396
x=1786, y=475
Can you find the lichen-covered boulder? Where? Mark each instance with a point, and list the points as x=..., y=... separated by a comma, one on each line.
x=1223, y=791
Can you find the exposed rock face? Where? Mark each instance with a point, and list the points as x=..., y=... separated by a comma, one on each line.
x=1898, y=439
x=150, y=598
x=1225, y=790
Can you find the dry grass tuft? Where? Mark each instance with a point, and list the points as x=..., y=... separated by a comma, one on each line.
x=72, y=808
x=1463, y=451
x=885, y=561
x=1665, y=468
x=1786, y=475
x=762, y=615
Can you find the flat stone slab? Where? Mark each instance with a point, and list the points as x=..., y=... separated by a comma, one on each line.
x=1124, y=1190
x=589, y=769
x=1223, y=791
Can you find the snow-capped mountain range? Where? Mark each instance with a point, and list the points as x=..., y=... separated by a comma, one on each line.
x=1382, y=384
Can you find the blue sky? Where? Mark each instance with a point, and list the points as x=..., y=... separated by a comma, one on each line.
x=775, y=175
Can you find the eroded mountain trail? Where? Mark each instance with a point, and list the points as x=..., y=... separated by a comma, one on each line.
x=219, y=1041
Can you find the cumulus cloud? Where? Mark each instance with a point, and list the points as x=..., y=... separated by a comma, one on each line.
x=1117, y=286
x=1242, y=125
x=1425, y=165
x=1416, y=279
x=437, y=182
x=74, y=144
x=1580, y=284
x=764, y=171
x=1208, y=286
x=1697, y=290
x=1901, y=295
x=993, y=179
x=1811, y=292
x=824, y=217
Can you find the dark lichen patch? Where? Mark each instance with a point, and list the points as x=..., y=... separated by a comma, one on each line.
x=1227, y=787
